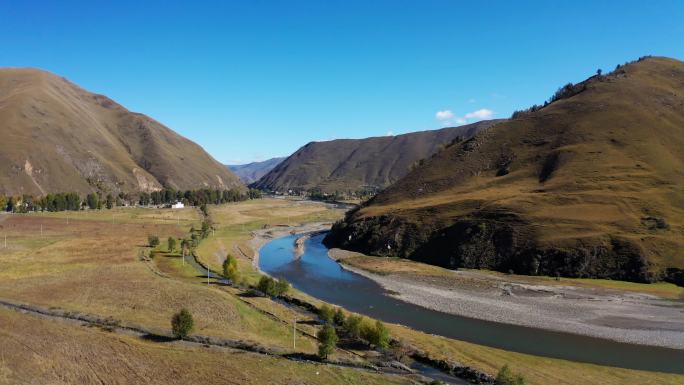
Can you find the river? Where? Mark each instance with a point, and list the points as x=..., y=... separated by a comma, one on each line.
x=316, y=274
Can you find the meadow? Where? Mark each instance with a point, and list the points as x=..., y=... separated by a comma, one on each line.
x=89, y=262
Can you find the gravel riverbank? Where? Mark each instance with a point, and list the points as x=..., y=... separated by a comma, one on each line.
x=620, y=316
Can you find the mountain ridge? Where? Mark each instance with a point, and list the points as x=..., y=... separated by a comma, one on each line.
x=60, y=137
x=348, y=165
x=251, y=172
x=590, y=185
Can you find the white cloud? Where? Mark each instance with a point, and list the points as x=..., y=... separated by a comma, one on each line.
x=447, y=118
x=390, y=133
x=480, y=114
x=444, y=115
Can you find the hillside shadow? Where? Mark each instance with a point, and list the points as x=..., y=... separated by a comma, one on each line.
x=157, y=338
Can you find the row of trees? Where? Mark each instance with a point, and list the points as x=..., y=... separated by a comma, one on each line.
x=353, y=326
x=196, y=197
x=73, y=201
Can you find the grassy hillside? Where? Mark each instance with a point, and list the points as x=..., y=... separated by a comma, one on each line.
x=251, y=172
x=58, y=137
x=591, y=185
x=353, y=164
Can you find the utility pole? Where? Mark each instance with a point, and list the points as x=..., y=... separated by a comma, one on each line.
x=294, y=333
x=41, y=230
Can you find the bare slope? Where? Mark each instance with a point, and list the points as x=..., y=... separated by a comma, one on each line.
x=352, y=164
x=251, y=172
x=58, y=137
x=591, y=185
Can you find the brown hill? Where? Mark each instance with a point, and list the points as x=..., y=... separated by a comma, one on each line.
x=58, y=137
x=353, y=164
x=591, y=185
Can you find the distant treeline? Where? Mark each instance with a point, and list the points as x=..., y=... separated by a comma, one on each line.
x=73, y=201
x=317, y=194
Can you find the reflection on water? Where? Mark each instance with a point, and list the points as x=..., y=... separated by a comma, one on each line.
x=318, y=275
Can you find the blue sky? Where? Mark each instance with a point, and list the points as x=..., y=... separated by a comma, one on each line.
x=249, y=80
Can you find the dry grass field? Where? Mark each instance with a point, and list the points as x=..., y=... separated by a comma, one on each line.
x=37, y=351
x=91, y=265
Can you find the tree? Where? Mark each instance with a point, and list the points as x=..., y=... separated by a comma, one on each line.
x=599, y=72
x=110, y=201
x=153, y=240
x=339, y=317
x=327, y=340
x=377, y=334
x=182, y=323
x=266, y=285
x=353, y=325
x=326, y=313
x=93, y=201
x=507, y=377
x=205, y=229
x=172, y=244
x=3, y=203
x=230, y=269
x=281, y=287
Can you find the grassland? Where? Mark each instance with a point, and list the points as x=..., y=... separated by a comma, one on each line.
x=40, y=351
x=574, y=188
x=91, y=265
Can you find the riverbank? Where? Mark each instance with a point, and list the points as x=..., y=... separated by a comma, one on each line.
x=610, y=314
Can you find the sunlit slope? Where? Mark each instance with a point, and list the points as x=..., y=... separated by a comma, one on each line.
x=352, y=164
x=590, y=185
x=58, y=137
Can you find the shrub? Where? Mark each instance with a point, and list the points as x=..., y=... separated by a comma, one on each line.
x=272, y=287
x=230, y=269
x=153, y=240
x=326, y=313
x=182, y=323
x=327, y=339
x=338, y=318
x=172, y=244
x=507, y=377
x=353, y=326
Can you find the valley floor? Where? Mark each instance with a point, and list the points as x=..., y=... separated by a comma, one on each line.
x=94, y=263
x=574, y=306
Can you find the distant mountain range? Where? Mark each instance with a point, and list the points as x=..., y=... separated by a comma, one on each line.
x=347, y=165
x=590, y=185
x=251, y=172
x=57, y=137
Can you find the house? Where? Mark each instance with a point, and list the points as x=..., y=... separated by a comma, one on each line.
x=177, y=205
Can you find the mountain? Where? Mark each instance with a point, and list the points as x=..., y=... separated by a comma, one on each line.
x=57, y=137
x=353, y=164
x=591, y=185
x=251, y=172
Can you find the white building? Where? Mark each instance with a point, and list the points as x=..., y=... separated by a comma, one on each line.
x=178, y=205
